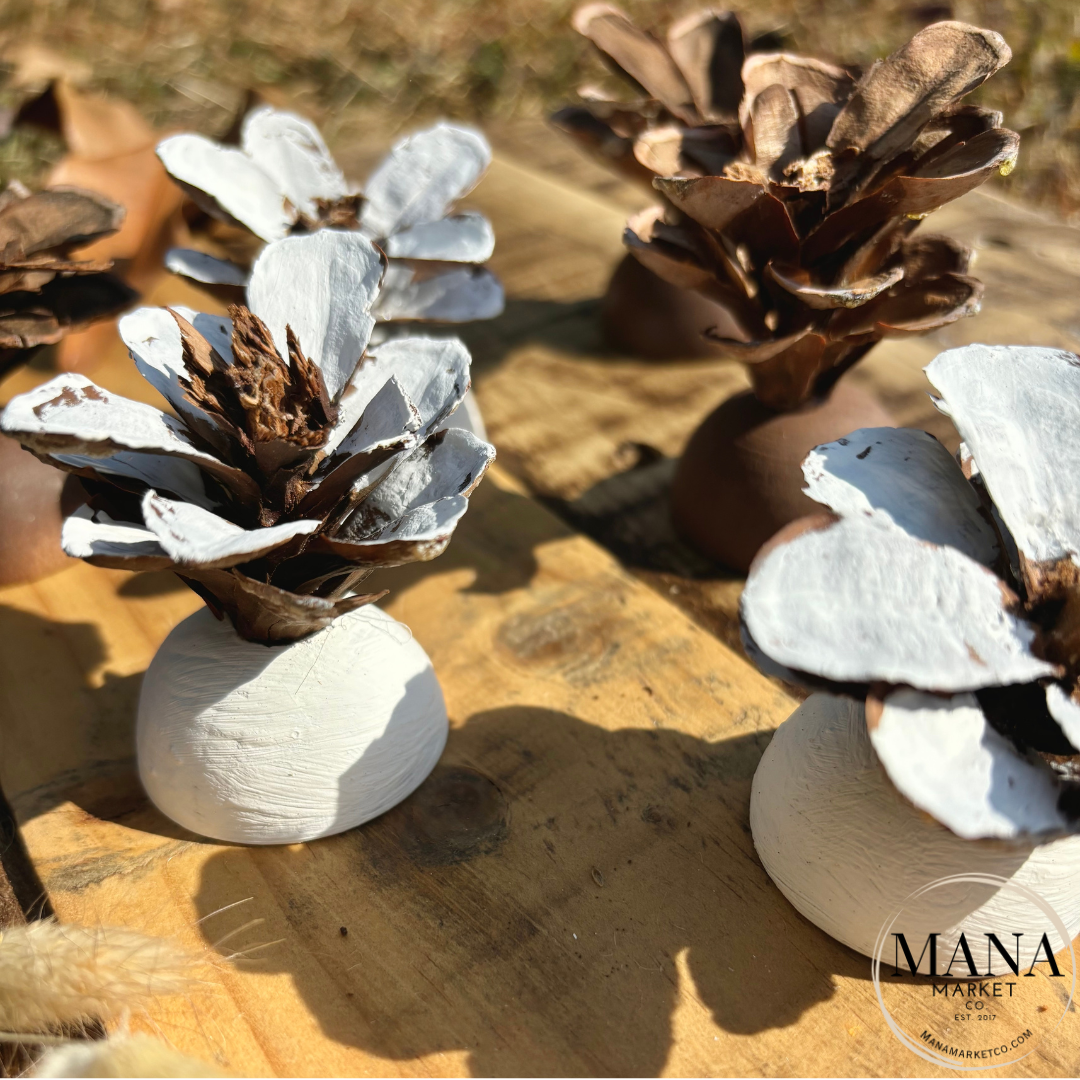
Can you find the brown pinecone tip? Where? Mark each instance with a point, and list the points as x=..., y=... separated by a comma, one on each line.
x=259, y=398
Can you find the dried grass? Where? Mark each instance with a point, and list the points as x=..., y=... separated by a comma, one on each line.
x=62, y=977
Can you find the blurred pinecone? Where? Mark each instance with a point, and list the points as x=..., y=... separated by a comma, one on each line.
x=791, y=189
x=44, y=291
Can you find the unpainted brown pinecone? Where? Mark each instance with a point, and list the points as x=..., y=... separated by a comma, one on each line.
x=791, y=187
x=44, y=291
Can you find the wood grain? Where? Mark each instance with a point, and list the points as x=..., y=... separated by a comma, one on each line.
x=573, y=892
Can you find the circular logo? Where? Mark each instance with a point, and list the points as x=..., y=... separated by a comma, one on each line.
x=973, y=971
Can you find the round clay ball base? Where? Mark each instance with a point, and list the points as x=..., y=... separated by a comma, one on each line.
x=847, y=849
x=644, y=315
x=277, y=745
x=740, y=478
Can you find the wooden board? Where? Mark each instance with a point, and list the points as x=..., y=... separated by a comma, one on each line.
x=575, y=890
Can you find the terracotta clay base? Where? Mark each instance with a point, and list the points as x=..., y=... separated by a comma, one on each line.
x=34, y=499
x=643, y=315
x=740, y=477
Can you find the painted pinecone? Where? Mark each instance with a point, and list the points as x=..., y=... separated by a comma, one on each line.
x=45, y=291
x=298, y=461
x=791, y=189
x=949, y=590
x=282, y=180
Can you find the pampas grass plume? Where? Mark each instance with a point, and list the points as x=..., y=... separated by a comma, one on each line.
x=59, y=975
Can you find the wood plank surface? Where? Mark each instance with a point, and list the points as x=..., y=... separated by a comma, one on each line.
x=575, y=890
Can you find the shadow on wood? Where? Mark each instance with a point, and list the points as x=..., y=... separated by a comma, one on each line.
x=102, y=784
x=629, y=513
x=543, y=902
x=570, y=327
x=151, y=583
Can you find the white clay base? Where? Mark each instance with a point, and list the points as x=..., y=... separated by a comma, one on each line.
x=257, y=745
x=847, y=849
